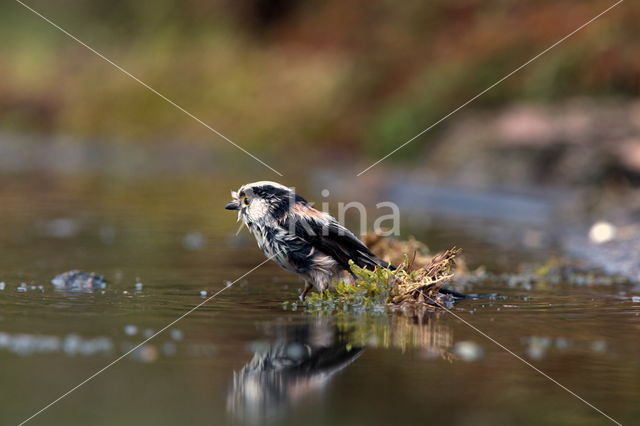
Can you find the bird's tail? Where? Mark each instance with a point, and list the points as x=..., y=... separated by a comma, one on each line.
x=452, y=293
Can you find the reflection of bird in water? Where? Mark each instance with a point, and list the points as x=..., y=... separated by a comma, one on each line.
x=300, y=361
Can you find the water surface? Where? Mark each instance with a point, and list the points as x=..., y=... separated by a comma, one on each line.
x=241, y=358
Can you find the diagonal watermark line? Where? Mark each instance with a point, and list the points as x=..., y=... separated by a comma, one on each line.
x=492, y=86
x=146, y=86
x=522, y=359
x=94, y=375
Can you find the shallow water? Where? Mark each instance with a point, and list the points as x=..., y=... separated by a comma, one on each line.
x=241, y=358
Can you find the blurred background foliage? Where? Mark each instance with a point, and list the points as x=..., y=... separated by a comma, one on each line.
x=346, y=77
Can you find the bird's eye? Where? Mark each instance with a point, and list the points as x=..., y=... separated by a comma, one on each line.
x=245, y=201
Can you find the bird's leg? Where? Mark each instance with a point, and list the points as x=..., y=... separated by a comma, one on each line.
x=305, y=290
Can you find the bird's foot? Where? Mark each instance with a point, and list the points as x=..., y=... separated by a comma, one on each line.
x=305, y=290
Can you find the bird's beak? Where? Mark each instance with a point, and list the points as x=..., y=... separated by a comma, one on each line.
x=233, y=205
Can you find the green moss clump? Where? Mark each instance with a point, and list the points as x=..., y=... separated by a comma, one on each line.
x=374, y=290
x=370, y=290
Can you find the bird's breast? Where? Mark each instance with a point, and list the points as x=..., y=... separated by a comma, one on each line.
x=290, y=253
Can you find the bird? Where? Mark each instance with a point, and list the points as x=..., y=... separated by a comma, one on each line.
x=307, y=242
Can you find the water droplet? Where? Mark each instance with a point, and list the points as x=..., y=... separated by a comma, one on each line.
x=194, y=241
x=602, y=232
x=599, y=346
x=468, y=351
x=130, y=330
x=176, y=334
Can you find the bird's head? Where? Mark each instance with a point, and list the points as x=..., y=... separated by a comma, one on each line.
x=261, y=201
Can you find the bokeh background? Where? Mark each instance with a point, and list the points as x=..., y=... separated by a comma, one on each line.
x=321, y=90
x=342, y=79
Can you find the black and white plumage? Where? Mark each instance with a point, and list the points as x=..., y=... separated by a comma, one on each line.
x=299, y=238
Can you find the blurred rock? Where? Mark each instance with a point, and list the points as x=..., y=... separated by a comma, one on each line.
x=579, y=142
x=79, y=281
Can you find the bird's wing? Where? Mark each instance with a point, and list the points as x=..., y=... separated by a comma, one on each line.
x=327, y=235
